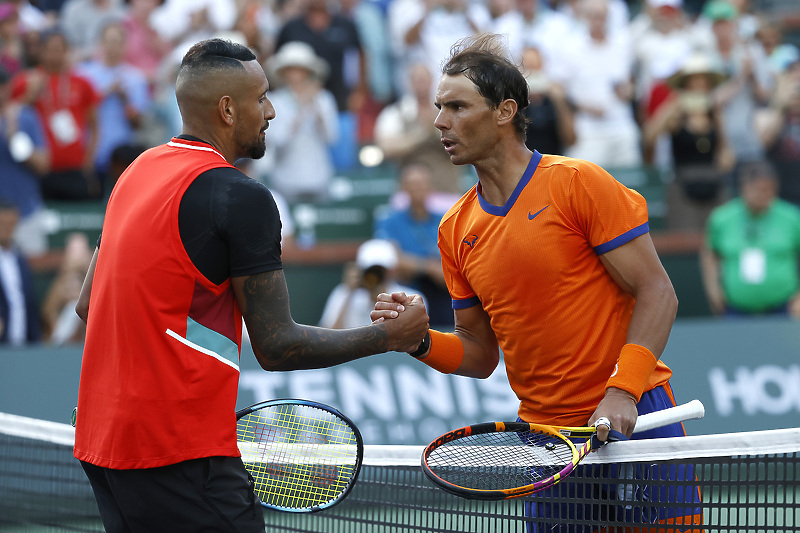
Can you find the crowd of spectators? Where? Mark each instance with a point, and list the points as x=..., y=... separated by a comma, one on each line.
x=696, y=87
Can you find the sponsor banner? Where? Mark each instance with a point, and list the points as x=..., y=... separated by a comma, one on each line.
x=746, y=373
x=392, y=398
x=757, y=390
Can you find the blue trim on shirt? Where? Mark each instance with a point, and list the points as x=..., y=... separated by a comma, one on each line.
x=502, y=210
x=467, y=303
x=626, y=237
x=212, y=340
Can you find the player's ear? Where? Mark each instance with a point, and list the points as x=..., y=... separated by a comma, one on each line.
x=226, y=110
x=506, y=111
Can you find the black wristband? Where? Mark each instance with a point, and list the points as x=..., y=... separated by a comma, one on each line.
x=423, y=346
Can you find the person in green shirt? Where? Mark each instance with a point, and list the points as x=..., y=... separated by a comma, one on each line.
x=751, y=254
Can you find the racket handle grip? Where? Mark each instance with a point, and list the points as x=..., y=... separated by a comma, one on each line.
x=688, y=411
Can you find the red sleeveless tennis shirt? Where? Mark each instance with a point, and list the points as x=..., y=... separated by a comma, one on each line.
x=160, y=365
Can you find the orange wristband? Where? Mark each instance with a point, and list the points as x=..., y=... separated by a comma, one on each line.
x=632, y=373
x=446, y=353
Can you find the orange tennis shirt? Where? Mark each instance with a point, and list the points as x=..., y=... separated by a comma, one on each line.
x=533, y=265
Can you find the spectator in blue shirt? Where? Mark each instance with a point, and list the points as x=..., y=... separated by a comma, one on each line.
x=125, y=93
x=24, y=158
x=414, y=229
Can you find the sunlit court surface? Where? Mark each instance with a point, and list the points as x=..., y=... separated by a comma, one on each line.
x=748, y=483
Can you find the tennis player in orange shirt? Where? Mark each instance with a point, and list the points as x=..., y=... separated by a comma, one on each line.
x=549, y=259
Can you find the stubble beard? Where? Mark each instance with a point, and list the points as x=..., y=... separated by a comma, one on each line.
x=258, y=149
x=254, y=149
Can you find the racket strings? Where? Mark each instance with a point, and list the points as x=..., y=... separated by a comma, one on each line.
x=500, y=461
x=299, y=456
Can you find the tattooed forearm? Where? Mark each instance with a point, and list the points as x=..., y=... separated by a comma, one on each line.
x=281, y=344
x=304, y=347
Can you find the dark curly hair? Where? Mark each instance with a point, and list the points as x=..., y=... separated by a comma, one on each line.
x=483, y=60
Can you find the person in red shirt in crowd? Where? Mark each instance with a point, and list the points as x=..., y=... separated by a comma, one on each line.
x=67, y=105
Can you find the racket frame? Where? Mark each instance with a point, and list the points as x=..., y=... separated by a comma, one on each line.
x=692, y=410
x=309, y=403
x=578, y=453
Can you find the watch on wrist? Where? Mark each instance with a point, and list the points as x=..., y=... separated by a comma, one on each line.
x=423, y=346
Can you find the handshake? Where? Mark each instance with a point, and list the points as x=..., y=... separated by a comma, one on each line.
x=404, y=318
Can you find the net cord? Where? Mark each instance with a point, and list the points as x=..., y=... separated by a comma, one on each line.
x=765, y=442
x=697, y=446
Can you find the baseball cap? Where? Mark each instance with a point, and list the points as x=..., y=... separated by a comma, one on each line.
x=376, y=252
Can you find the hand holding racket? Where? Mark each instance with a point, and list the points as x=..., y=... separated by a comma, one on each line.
x=501, y=460
x=304, y=456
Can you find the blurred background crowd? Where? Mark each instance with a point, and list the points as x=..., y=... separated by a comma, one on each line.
x=707, y=91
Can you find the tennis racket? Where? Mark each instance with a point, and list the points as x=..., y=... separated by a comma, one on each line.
x=502, y=460
x=304, y=456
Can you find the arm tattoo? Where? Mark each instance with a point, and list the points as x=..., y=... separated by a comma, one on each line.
x=282, y=344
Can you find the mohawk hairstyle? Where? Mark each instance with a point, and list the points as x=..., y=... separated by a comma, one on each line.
x=214, y=54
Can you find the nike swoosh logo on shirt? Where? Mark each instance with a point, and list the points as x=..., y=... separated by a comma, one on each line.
x=532, y=216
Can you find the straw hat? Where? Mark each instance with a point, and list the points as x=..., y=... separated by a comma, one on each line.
x=298, y=54
x=697, y=63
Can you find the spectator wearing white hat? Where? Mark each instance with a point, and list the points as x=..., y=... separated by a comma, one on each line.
x=701, y=156
x=373, y=272
x=300, y=165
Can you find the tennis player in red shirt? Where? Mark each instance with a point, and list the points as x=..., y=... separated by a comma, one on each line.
x=190, y=247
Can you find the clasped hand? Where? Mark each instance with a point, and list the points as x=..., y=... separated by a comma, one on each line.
x=405, y=318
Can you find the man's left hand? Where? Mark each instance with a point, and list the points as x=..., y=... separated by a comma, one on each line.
x=619, y=407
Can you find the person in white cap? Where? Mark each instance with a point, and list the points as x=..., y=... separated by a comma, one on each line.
x=373, y=272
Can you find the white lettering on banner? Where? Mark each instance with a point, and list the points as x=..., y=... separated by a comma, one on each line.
x=393, y=403
x=373, y=393
x=766, y=389
x=413, y=390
